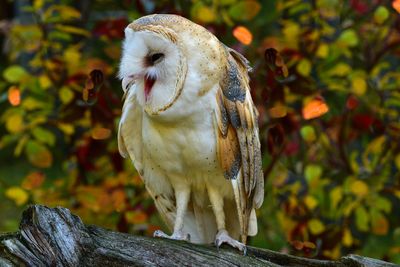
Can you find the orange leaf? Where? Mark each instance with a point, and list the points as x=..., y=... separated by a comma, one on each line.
x=33, y=180
x=396, y=5
x=100, y=133
x=136, y=217
x=380, y=226
x=297, y=244
x=118, y=199
x=43, y=159
x=315, y=108
x=14, y=95
x=243, y=35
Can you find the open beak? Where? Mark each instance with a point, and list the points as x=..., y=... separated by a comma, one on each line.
x=148, y=85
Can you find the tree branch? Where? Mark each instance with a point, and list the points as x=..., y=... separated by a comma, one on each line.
x=55, y=237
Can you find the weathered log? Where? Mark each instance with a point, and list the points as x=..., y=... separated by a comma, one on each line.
x=55, y=237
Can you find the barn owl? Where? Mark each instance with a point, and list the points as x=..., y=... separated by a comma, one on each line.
x=189, y=126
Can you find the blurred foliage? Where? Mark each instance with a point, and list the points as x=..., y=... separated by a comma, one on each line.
x=326, y=83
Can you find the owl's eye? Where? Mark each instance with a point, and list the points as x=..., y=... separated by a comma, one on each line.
x=156, y=57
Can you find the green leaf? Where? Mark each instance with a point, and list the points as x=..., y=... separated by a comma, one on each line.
x=362, y=218
x=308, y=133
x=38, y=154
x=44, y=136
x=313, y=172
x=383, y=204
x=381, y=14
x=14, y=73
x=244, y=10
x=349, y=38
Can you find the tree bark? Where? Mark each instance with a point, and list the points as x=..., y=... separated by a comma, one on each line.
x=55, y=237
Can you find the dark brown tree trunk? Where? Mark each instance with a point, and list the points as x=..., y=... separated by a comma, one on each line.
x=55, y=237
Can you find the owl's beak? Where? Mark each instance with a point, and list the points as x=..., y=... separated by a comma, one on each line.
x=148, y=85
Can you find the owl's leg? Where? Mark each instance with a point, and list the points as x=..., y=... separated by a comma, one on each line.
x=222, y=236
x=182, y=196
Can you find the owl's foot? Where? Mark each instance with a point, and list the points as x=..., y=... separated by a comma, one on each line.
x=223, y=237
x=175, y=236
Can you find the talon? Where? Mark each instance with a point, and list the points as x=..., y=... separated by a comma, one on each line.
x=174, y=236
x=223, y=237
x=159, y=233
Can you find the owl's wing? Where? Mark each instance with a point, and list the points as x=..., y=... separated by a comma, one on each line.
x=238, y=142
x=130, y=144
x=130, y=130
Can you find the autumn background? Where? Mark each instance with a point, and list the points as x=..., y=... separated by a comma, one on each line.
x=326, y=82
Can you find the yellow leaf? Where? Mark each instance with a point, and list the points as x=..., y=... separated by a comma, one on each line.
x=397, y=193
x=278, y=111
x=14, y=123
x=323, y=51
x=68, y=129
x=66, y=95
x=359, y=188
x=359, y=86
x=44, y=82
x=205, y=14
x=304, y=67
x=73, y=58
x=73, y=30
x=64, y=13
x=291, y=31
x=316, y=227
x=311, y=202
x=243, y=35
x=38, y=4
x=347, y=238
x=340, y=69
x=376, y=145
x=335, y=196
x=17, y=194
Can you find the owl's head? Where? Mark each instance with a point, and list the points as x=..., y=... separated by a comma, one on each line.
x=152, y=61
x=169, y=62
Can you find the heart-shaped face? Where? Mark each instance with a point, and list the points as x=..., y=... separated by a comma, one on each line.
x=153, y=61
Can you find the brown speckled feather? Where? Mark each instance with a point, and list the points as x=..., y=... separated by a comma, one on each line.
x=238, y=141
